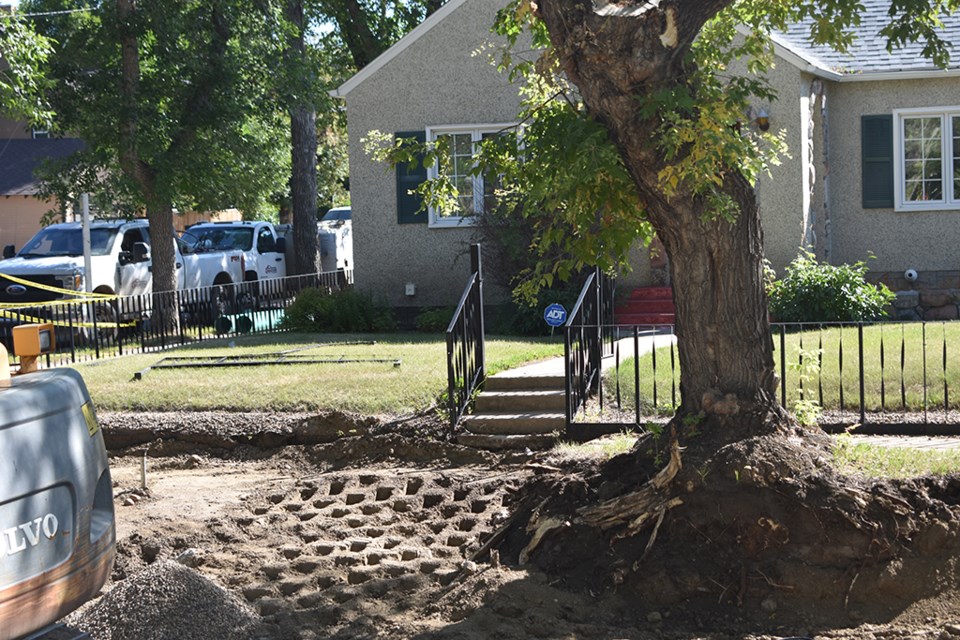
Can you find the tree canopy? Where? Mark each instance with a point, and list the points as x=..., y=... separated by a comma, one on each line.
x=23, y=56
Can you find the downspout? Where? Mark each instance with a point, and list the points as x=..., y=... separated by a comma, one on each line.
x=827, y=231
x=808, y=238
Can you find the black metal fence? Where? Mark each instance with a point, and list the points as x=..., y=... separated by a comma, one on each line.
x=466, y=361
x=902, y=376
x=588, y=338
x=105, y=327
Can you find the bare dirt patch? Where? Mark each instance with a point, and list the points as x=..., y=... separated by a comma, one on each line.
x=377, y=536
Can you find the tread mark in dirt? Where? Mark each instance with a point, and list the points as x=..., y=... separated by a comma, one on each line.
x=365, y=534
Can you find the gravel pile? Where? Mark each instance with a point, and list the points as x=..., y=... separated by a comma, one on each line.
x=168, y=601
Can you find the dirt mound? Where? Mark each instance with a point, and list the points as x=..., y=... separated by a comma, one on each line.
x=764, y=527
x=168, y=601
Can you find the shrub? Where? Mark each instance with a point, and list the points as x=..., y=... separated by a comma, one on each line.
x=341, y=312
x=434, y=320
x=813, y=291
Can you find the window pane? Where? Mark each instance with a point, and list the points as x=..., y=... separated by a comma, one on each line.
x=913, y=170
x=912, y=128
x=931, y=127
x=914, y=191
x=931, y=149
x=457, y=166
x=923, y=159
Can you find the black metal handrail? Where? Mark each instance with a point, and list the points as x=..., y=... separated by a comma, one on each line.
x=588, y=338
x=90, y=330
x=466, y=358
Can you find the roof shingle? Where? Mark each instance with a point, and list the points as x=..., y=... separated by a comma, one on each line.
x=20, y=157
x=868, y=53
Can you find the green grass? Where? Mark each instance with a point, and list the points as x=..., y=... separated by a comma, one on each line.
x=367, y=388
x=892, y=462
x=884, y=387
x=600, y=449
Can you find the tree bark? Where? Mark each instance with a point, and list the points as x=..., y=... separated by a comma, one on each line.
x=614, y=53
x=303, y=179
x=159, y=211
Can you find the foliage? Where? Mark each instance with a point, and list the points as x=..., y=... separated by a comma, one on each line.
x=813, y=291
x=206, y=125
x=348, y=311
x=363, y=29
x=23, y=82
x=807, y=369
x=434, y=320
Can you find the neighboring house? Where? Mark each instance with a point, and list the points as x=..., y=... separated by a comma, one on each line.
x=20, y=206
x=871, y=167
x=22, y=151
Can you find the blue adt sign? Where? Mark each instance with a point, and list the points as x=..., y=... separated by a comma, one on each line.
x=555, y=315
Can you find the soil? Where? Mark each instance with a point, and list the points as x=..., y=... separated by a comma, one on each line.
x=385, y=535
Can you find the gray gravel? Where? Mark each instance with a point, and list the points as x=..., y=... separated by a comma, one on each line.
x=168, y=601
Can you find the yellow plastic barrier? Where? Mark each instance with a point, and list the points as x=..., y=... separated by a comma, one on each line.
x=80, y=297
x=70, y=292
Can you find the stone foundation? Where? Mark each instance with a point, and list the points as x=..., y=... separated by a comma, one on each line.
x=934, y=295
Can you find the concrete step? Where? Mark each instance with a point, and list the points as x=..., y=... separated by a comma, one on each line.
x=644, y=318
x=501, y=382
x=642, y=305
x=651, y=293
x=533, y=400
x=515, y=423
x=497, y=443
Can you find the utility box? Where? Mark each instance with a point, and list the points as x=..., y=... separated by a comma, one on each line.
x=57, y=527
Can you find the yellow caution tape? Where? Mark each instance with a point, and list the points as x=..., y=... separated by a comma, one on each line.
x=65, y=323
x=70, y=292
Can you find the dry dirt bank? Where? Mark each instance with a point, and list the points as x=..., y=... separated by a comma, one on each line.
x=364, y=536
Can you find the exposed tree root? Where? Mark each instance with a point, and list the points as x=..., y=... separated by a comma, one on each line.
x=763, y=524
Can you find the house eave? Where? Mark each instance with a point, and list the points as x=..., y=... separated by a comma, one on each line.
x=919, y=74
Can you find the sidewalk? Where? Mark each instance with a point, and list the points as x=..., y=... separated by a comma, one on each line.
x=554, y=366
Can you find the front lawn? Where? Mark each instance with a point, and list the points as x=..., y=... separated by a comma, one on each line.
x=362, y=387
x=904, y=366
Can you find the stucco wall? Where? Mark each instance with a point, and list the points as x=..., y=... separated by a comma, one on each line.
x=925, y=241
x=781, y=193
x=436, y=81
x=439, y=80
x=20, y=218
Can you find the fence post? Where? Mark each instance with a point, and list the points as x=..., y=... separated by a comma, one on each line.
x=863, y=412
x=476, y=267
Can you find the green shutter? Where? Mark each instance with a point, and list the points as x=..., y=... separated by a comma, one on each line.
x=876, y=149
x=408, y=178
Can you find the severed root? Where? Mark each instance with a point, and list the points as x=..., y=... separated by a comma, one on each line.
x=636, y=509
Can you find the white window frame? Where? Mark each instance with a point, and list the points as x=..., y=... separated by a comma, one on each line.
x=476, y=131
x=39, y=134
x=951, y=199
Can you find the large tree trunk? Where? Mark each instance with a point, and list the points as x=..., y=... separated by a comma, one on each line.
x=163, y=265
x=303, y=189
x=740, y=516
x=303, y=180
x=159, y=211
x=716, y=269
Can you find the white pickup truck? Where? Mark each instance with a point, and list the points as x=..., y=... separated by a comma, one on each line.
x=262, y=244
x=120, y=263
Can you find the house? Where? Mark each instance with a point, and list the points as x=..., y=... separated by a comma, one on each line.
x=870, y=133
x=22, y=151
